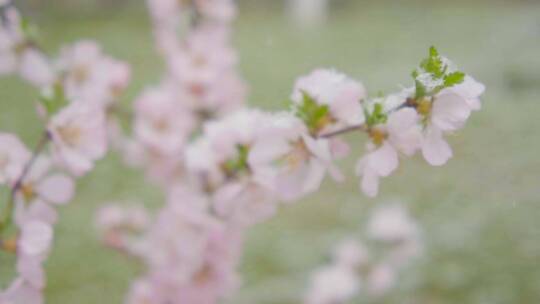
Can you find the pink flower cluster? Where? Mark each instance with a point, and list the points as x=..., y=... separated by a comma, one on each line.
x=224, y=167
x=370, y=268
x=415, y=124
x=77, y=90
x=201, y=83
x=18, y=53
x=192, y=256
x=40, y=191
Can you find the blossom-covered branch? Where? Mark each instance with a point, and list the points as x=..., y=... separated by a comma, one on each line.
x=223, y=166
x=18, y=183
x=75, y=91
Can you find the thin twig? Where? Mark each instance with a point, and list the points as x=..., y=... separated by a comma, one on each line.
x=362, y=127
x=45, y=138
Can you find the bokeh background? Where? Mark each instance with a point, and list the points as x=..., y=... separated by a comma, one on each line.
x=480, y=214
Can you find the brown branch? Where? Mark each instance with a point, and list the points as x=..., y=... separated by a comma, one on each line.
x=361, y=127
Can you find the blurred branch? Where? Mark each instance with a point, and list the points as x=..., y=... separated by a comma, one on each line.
x=6, y=220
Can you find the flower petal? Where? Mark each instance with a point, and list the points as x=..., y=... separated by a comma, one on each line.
x=384, y=160
x=450, y=111
x=58, y=189
x=435, y=149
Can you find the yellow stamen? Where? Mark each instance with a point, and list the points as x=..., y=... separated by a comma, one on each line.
x=4, y=160
x=324, y=121
x=80, y=74
x=203, y=275
x=378, y=136
x=161, y=125
x=424, y=106
x=298, y=155
x=27, y=190
x=9, y=245
x=70, y=134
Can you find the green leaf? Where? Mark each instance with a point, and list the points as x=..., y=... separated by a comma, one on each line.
x=453, y=79
x=377, y=116
x=433, y=52
x=436, y=66
x=420, y=89
x=240, y=163
x=311, y=113
x=433, y=64
x=55, y=100
x=29, y=30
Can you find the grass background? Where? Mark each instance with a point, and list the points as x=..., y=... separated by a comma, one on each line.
x=480, y=213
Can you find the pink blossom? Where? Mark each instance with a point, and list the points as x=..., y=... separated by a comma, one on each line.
x=21, y=292
x=380, y=279
x=18, y=56
x=31, y=270
x=90, y=75
x=351, y=253
x=191, y=256
x=470, y=90
x=342, y=94
x=37, y=210
x=161, y=122
x=204, y=58
x=290, y=161
x=449, y=112
x=211, y=156
x=36, y=238
x=35, y=68
x=244, y=203
x=392, y=223
x=401, y=133
x=79, y=136
x=204, y=72
x=164, y=11
x=121, y=227
x=53, y=188
x=114, y=216
x=143, y=291
x=13, y=157
x=333, y=284
x=220, y=10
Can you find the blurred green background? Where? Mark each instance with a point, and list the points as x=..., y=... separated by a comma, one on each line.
x=480, y=213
